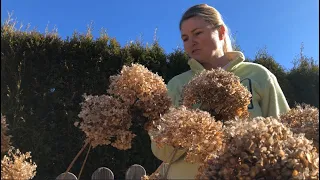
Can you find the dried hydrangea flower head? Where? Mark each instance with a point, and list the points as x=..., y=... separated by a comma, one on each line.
x=195, y=130
x=103, y=119
x=220, y=93
x=263, y=148
x=138, y=86
x=5, y=139
x=17, y=165
x=303, y=119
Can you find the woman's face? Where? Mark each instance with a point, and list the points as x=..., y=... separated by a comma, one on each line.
x=201, y=41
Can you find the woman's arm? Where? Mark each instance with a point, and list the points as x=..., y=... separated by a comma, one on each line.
x=273, y=102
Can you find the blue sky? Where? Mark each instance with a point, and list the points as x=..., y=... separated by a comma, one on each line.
x=278, y=25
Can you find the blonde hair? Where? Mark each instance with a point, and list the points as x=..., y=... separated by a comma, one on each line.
x=210, y=15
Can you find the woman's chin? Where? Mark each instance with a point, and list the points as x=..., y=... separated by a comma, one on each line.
x=199, y=59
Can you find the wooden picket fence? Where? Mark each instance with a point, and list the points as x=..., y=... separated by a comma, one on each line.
x=135, y=172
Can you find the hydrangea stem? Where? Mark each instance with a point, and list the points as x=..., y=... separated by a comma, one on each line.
x=75, y=158
x=170, y=162
x=84, y=162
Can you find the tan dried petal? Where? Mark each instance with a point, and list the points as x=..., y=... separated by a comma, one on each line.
x=303, y=119
x=123, y=141
x=153, y=176
x=17, y=165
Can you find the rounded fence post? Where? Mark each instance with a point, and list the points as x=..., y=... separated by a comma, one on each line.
x=135, y=172
x=67, y=176
x=102, y=173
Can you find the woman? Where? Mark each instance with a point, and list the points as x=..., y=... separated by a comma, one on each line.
x=206, y=41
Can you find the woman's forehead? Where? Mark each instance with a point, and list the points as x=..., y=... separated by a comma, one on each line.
x=193, y=23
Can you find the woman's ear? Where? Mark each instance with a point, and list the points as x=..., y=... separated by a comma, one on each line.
x=222, y=32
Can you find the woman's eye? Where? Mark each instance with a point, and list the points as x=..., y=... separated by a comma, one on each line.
x=184, y=40
x=197, y=33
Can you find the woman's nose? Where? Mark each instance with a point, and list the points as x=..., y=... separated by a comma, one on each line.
x=193, y=41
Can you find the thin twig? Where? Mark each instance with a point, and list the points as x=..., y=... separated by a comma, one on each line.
x=84, y=162
x=158, y=169
x=75, y=158
x=162, y=164
x=170, y=162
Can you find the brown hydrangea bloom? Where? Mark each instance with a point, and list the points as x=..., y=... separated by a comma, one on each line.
x=220, y=93
x=303, y=119
x=194, y=130
x=263, y=148
x=17, y=165
x=138, y=86
x=5, y=139
x=103, y=119
x=123, y=140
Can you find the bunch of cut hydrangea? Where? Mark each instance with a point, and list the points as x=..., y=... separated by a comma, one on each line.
x=136, y=96
x=200, y=131
x=256, y=148
x=107, y=119
x=263, y=148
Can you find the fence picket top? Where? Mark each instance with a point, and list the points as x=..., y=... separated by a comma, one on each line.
x=102, y=173
x=67, y=176
x=135, y=172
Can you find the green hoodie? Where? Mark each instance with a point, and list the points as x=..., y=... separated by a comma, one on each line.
x=267, y=100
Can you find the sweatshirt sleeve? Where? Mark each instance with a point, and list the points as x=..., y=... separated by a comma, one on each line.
x=165, y=153
x=273, y=102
